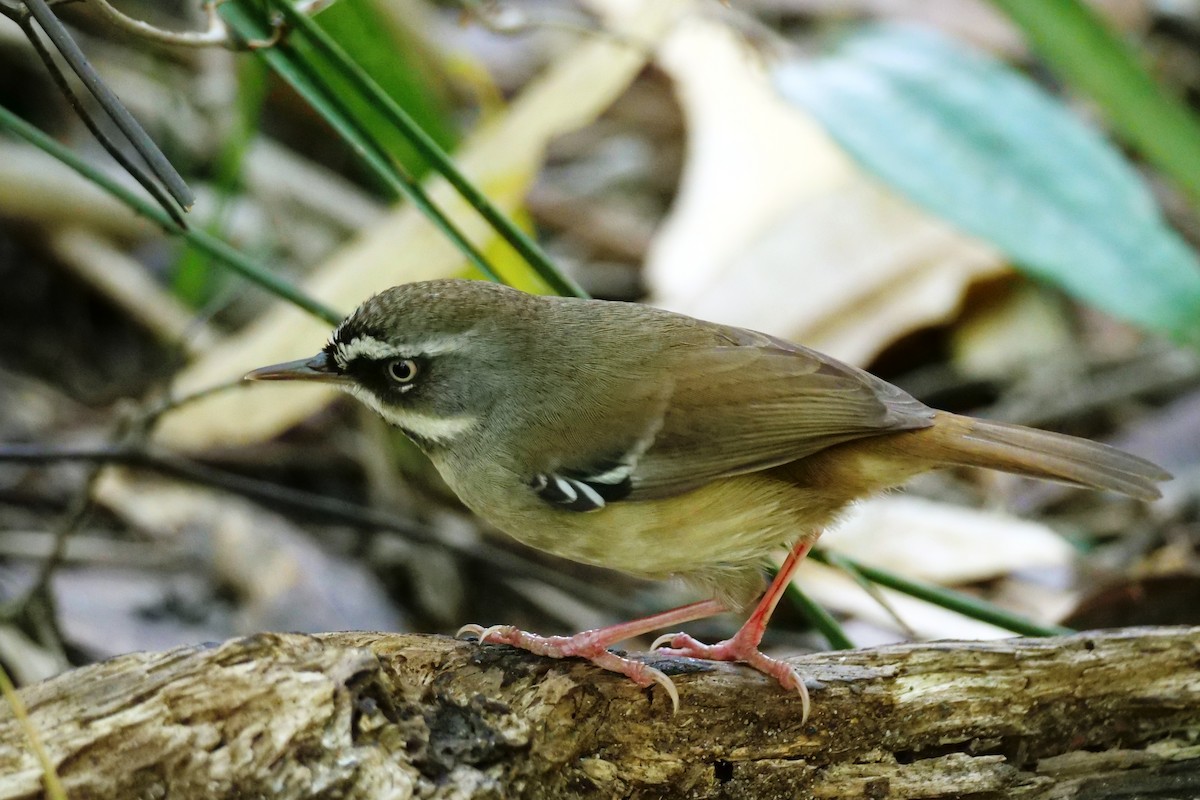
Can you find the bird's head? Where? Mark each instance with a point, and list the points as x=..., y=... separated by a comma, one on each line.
x=427, y=356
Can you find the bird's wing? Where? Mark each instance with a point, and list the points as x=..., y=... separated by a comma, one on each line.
x=736, y=401
x=752, y=402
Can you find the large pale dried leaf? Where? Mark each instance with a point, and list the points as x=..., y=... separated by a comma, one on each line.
x=838, y=592
x=944, y=544
x=774, y=228
x=502, y=159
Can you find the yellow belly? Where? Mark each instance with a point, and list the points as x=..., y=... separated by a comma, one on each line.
x=730, y=524
x=717, y=535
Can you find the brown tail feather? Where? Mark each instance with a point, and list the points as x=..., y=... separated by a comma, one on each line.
x=966, y=441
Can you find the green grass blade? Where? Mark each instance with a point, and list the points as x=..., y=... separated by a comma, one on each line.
x=820, y=618
x=50, y=780
x=220, y=251
x=309, y=85
x=1087, y=54
x=108, y=100
x=429, y=149
x=955, y=601
x=403, y=66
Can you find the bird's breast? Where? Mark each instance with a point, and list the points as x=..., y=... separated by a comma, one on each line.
x=733, y=521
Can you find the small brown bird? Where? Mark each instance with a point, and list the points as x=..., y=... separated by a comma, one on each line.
x=649, y=442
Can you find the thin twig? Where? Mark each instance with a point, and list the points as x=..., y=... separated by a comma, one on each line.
x=141, y=142
x=309, y=505
x=35, y=608
x=217, y=35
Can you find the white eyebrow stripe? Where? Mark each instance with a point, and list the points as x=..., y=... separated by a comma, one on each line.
x=373, y=349
x=437, y=345
x=363, y=347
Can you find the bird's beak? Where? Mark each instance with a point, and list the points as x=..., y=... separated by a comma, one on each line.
x=318, y=368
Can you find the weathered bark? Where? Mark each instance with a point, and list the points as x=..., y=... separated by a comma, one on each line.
x=1098, y=715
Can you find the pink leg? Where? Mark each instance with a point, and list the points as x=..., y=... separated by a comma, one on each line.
x=593, y=645
x=743, y=646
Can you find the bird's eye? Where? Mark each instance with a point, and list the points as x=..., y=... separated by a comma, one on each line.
x=401, y=370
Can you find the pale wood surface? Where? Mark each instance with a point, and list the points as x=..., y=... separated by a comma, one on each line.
x=1097, y=715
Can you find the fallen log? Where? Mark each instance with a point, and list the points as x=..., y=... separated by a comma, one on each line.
x=1094, y=715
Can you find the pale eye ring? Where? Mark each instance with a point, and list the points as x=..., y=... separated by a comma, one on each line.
x=401, y=370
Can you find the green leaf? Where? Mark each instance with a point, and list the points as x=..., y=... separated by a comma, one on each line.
x=1081, y=48
x=981, y=146
x=398, y=62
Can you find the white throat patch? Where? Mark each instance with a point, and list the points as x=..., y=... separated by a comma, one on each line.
x=438, y=430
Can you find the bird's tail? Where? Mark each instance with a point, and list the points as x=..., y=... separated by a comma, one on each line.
x=971, y=442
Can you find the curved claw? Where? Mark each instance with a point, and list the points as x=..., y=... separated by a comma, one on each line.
x=732, y=650
x=482, y=634
x=668, y=685
x=486, y=633
x=666, y=638
x=805, y=704
x=470, y=628
x=582, y=645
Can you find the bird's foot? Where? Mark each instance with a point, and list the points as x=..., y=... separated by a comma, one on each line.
x=582, y=645
x=739, y=649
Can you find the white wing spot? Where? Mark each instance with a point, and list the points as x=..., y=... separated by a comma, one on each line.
x=591, y=494
x=567, y=487
x=614, y=476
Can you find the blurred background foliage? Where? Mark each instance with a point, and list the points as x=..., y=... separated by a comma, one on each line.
x=992, y=204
